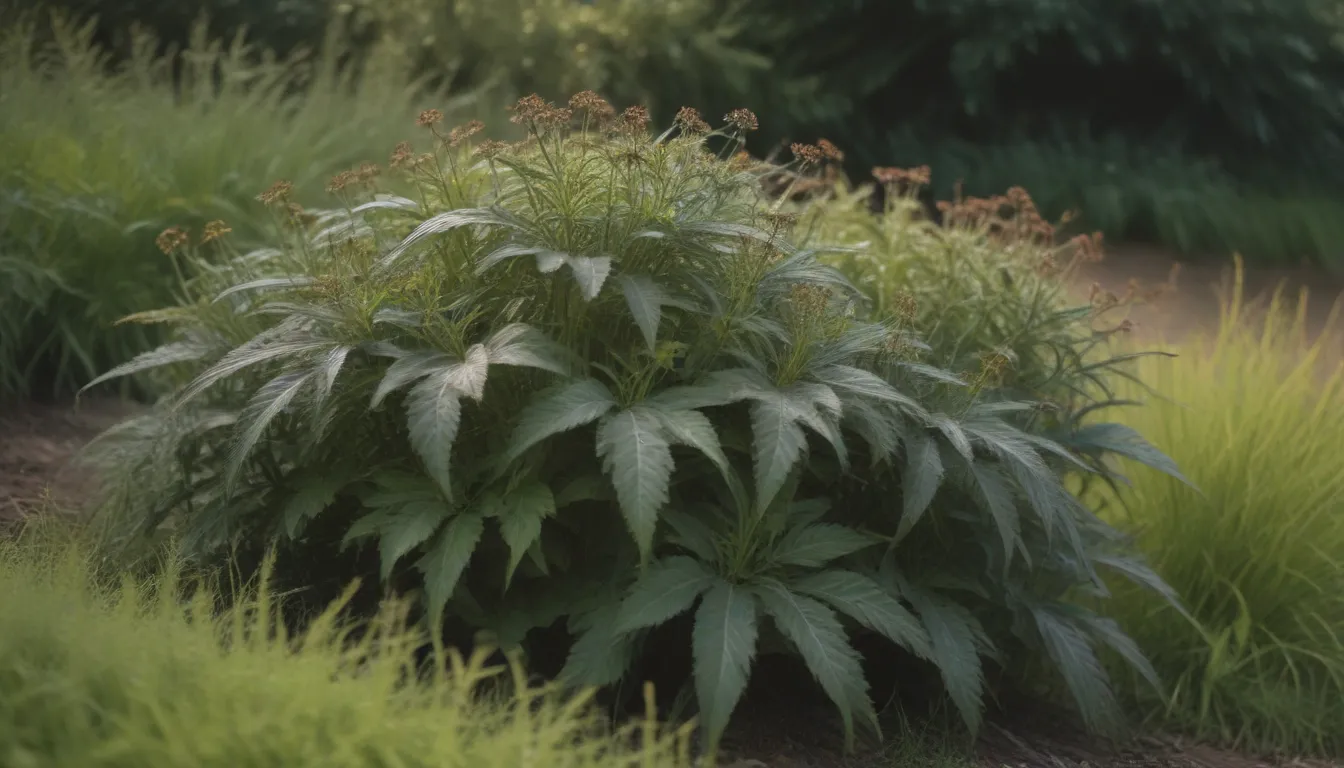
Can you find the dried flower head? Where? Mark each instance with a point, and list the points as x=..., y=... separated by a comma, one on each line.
x=741, y=162
x=490, y=148
x=830, y=151
x=689, y=121
x=278, y=192
x=914, y=177
x=528, y=109
x=634, y=120
x=402, y=156
x=993, y=365
x=215, y=230
x=905, y=305
x=171, y=239
x=809, y=300
x=780, y=221
x=341, y=180
x=464, y=132
x=742, y=120
x=298, y=216
x=368, y=172
x=808, y=153
x=590, y=103
x=429, y=118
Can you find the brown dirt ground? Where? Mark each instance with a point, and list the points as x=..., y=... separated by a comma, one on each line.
x=38, y=443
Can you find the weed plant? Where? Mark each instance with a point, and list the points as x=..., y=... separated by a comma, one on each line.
x=1255, y=416
x=97, y=163
x=146, y=673
x=592, y=378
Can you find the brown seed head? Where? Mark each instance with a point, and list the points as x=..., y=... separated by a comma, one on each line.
x=634, y=120
x=278, y=192
x=342, y=180
x=830, y=151
x=589, y=102
x=464, y=132
x=368, y=172
x=171, y=239
x=528, y=109
x=809, y=300
x=741, y=162
x=490, y=148
x=905, y=305
x=215, y=230
x=429, y=118
x=690, y=122
x=402, y=156
x=808, y=153
x=742, y=120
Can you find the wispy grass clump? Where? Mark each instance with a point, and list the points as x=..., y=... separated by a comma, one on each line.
x=1255, y=418
x=102, y=674
x=98, y=160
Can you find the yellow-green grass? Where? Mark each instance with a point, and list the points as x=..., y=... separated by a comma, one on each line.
x=1254, y=416
x=100, y=673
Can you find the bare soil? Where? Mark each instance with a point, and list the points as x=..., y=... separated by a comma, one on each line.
x=38, y=443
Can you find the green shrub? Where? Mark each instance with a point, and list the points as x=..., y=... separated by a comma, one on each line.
x=96, y=164
x=662, y=54
x=123, y=674
x=1255, y=418
x=590, y=377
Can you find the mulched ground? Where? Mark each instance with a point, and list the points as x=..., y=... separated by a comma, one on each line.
x=38, y=443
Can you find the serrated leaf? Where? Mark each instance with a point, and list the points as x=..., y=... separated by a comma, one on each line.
x=955, y=638
x=328, y=370
x=504, y=253
x=168, y=354
x=520, y=518
x=273, y=397
x=443, y=222
x=266, y=284
x=936, y=374
x=1125, y=441
x=314, y=494
x=263, y=348
x=920, y=480
x=522, y=345
x=447, y=558
x=405, y=370
x=778, y=444
x=433, y=414
x=812, y=546
x=645, y=299
x=550, y=261
x=724, y=646
x=590, y=272
x=557, y=410
x=864, y=600
x=470, y=375
x=1139, y=572
x=954, y=434
x=410, y=527
x=999, y=502
x=584, y=488
x=636, y=454
x=1109, y=632
x=856, y=381
x=814, y=630
x=1083, y=673
x=692, y=534
x=600, y=655
x=694, y=430
x=667, y=588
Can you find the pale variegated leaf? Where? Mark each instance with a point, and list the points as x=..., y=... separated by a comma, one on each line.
x=519, y=344
x=168, y=354
x=407, y=369
x=590, y=272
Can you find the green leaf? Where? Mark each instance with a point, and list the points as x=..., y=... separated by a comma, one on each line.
x=955, y=638
x=1125, y=441
x=864, y=600
x=600, y=655
x=812, y=546
x=779, y=443
x=590, y=272
x=955, y=435
x=636, y=454
x=856, y=381
x=522, y=345
x=273, y=397
x=557, y=410
x=667, y=588
x=692, y=534
x=406, y=530
x=590, y=487
x=724, y=645
x=314, y=494
x=920, y=481
x=286, y=340
x=447, y=558
x=645, y=299
x=1109, y=632
x=814, y=630
x=433, y=414
x=444, y=222
x=694, y=430
x=998, y=499
x=327, y=371
x=1083, y=673
x=520, y=517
